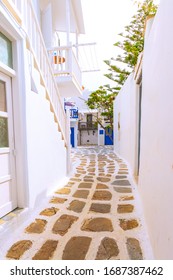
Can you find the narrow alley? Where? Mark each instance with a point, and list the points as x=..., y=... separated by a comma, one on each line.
x=97, y=215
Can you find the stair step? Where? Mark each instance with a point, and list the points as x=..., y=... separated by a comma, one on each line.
x=37, y=86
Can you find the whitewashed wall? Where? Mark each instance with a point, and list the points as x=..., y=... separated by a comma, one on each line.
x=101, y=137
x=46, y=154
x=156, y=161
x=89, y=138
x=46, y=25
x=156, y=173
x=125, y=122
x=36, y=6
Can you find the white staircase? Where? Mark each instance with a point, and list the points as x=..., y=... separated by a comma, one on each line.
x=36, y=46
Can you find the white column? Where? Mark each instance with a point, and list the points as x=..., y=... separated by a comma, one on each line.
x=101, y=137
x=47, y=25
x=68, y=160
x=68, y=21
x=75, y=135
x=77, y=49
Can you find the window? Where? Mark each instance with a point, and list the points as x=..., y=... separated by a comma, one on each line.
x=5, y=50
x=3, y=117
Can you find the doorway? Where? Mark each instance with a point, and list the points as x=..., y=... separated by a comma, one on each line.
x=8, y=192
x=109, y=136
x=72, y=137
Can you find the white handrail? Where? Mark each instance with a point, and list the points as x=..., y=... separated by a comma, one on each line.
x=76, y=68
x=37, y=47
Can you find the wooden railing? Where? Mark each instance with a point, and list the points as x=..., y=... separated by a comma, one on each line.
x=36, y=45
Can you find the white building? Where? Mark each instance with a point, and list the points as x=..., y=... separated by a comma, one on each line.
x=36, y=73
x=85, y=129
x=143, y=128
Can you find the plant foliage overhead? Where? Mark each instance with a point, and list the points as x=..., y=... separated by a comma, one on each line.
x=131, y=45
x=102, y=100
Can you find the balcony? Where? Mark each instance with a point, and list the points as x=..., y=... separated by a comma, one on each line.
x=66, y=71
x=87, y=126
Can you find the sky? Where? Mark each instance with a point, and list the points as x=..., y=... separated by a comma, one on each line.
x=104, y=20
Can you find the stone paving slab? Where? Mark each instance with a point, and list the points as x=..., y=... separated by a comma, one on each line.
x=128, y=224
x=107, y=249
x=38, y=226
x=63, y=191
x=100, y=208
x=125, y=208
x=18, y=249
x=102, y=195
x=121, y=183
x=84, y=185
x=49, y=211
x=76, y=206
x=81, y=194
x=121, y=177
x=103, y=179
x=88, y=180
x=75, y=179
x=97, y=225
x=46, y=251
x=101, y=186
x=123, y=190
x=76, y=248
x=63, y=224
x=83, y=219
x=134, y=249
x=125, y=198
x=57, y=200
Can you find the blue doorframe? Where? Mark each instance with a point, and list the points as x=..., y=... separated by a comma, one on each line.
x=72, y=136
x=108, y=140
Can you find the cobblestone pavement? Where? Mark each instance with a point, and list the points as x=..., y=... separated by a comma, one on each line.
x=95, y=216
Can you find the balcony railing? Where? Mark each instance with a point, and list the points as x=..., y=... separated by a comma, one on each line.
x=87, y=126
x=65, y=64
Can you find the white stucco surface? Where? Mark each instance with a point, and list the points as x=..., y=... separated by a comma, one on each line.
x=156, y=172
x=46, y=153
x=125, y=115
x=89, y=137
x=101, y=137
x=156, y=153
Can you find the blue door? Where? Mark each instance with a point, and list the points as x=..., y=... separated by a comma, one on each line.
x=72, y=136
x=108, y=140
